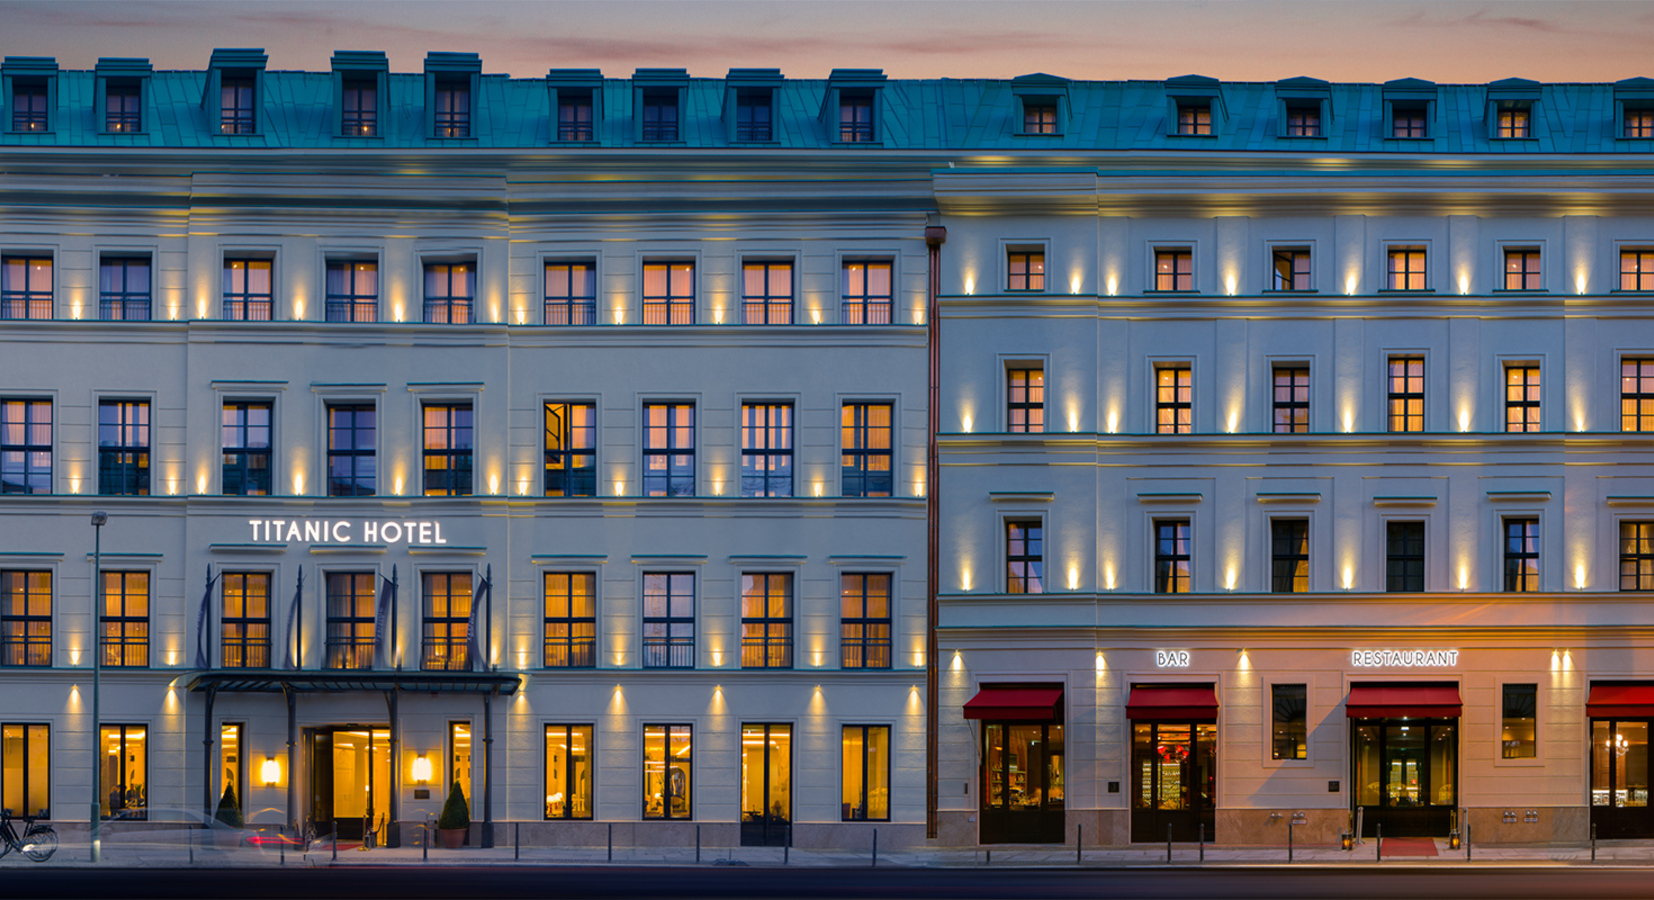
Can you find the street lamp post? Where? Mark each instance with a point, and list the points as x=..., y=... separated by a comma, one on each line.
x=98, y=520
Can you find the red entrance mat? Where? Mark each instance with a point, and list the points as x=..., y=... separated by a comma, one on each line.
x=1409, y=847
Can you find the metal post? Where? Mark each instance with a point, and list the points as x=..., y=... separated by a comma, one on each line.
x=516, y=840
x=787, y=848
x=1593, y=842
x=98, y=520
x=990, y=858
x=875, y=848
x=1079, y=842
x=281, y=833
x=335, y=840
x=1289, y=823
x=1168, y=843
x=1203, y=842
x=1467, y=838
x=697, y=843
x=191, y=837
x=488, y=769
x=1379, y=829
x=425, y=840
x=611, y=842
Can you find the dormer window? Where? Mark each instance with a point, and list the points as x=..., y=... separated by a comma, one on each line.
x=28, y=104
x=1039, y=115
x=1639, y=123
x=453, y=108
x=752, y=115
x=855, y=117
x=122, y=107
x=1514, y=123
x=574, y=115
x=1303, y=120
x=359, y=107
x=1409, y=120
x=660, y=115
x=235, y=104
x=1194, y=118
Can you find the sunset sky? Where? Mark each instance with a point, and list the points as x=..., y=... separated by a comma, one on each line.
x=1445, y=40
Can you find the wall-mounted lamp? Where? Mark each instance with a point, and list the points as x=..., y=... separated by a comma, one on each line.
x=422, y=770
x=269, y=772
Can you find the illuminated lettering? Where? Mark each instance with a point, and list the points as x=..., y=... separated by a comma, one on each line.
x=385, y=532
x=437, y=526
x=293, y=531
x=312, y=532
x=370, y=532
x=341, y=538
x=424, y=532
x=1405, y=659
x=1171, y=659
x=255, y=524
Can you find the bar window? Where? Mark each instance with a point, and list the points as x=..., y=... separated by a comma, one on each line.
x=352, y=461
x=245, y=431
x=449, y=291
x=866, y=773
x=767, y=293
x=248, y=296
x=667, y=767
x=25, y=618
x=1025, y=400
x=1521, y=555
x=122, y=107
x=352, y=291
x=1173, y=400
x=669, y=450
x=864, y=442
x=1406, y=268
x=26, y=287
x=574, y=115
x=569, y=754
x=866, y=298
x=453, y=108
x=28, y=104
x=1171, y=557
x=1522, y=270
x=235, y=105
x=25, y=446
x=1289, y=556
x=1404, y=557
x=26, y=783
x=1174, y=270
x=244, y=621
x=1637, y=394
x=669, y=620
x=752, y=115
x=350, y=621
x=125, y=779
x=571, y=293
x=571, y=450
x=1024, y=557
x=1289, y=403
x=1521, y=398
x=359, y=107
x=125, y=619
x=660, y=115
x=766, y=450
x=1637, y=556
x=570, y=620
x=1406, y=397
x=1290, y=270
x=855, y=117
x=766, y=620
x=123, y=289
x=1026, y=269
x=1290, y=729
x=1518, y=732
x=669, y=293
x=448, y=449
x=447, y=620
x=123, y=448
x=864, y=620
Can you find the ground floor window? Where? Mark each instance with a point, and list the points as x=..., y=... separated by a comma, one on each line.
x=1174, y=772
x=26, y=761
x=766, y=785
x=866, y=773
x=568, y=771
x=1619, y=778
x=1406, y=774
x=125, y=771
x=667, y=766
x=1023, y=774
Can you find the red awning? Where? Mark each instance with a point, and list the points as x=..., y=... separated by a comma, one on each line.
x=1171, y=702
x=1421, y=701
x=1608, y=701
x=1015, y=703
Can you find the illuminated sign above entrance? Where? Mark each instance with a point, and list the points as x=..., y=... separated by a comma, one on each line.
x=1171, y=659
x=344, y=531
x=1369, y=659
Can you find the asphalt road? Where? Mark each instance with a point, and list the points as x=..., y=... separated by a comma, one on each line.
x=449, y=883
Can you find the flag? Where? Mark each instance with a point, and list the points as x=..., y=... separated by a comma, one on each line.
x=478, y=598
x=387, y=596
x=292, y=621
x=201, y=622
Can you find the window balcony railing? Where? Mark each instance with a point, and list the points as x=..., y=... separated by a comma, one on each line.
x=668, y=653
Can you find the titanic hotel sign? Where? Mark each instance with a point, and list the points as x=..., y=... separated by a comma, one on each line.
x=346, y=531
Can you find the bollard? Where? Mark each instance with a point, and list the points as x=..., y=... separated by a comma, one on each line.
x=875, y=849
x=1593, y=842
x=516, y=840
x=1203, y=842
x=191, y=837
x=425, y=841
x=335, y=840
x=990, y=858
x=1168, y=843
x=1289, y=840
x=281, y=833
x=1467, y=839
x=1379, y=828
x=611, y=842
x=787, y=848
x=1079, y=842
x=697, y=843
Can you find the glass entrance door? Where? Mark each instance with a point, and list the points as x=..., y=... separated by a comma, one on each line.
x=1619, y=778
x=1174, y=771
x=1406, y=775
x=350, y=779
x=1022, y=790
x=766, y=785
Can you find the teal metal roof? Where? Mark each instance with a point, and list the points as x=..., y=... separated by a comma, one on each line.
x=296, y=110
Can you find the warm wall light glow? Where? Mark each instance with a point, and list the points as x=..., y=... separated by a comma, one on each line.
x=74, y=485
x=1556, y=661
x=298, y=309
x=1229, y=580
x=1113, y=421
x=815, y=315
x=1244, y=661
x=493, y=483
x=421, y=771
x=1464, y=283
x=620, y=316
x=1579, y=577
x=1349, y=285
x=717, y=658
x=718, y=316
x=1464, y=577
x=818, y=488
x=201, y=483
x=1229, y=284
x=522, y=317
x=966, y=421
x=970, y=285
x=397, y=488
x=201, y=309
x=958, y=661
x=964, y=579
x=1073, y=419
x=396, y=312
x=1113, y=285
x=1108, y=577
x=1074, y=285
x=270, y=771
x=1349, y=578
x=1464, y=420
x=620, y=489
x=522, y=487
x=1100, y=664
x=1579, y=282
x=172, y=657
x=298, y=483
x=1234, y=420
x=1073, y=578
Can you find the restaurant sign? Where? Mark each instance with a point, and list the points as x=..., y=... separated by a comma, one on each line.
x=1406, y=659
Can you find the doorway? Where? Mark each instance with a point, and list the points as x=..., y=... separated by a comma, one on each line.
x=1619, y=778
x=766, y=785
x=1406, y=775
x=1174, y=769
x=1022, y=791
x=350, y=778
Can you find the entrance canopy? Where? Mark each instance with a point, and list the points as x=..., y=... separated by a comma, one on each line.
x=1615, y=701
x=1015, y=703
x=1171, y=702
x=1421, y=701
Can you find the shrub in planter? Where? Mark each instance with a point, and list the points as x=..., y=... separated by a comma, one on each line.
x=229, y=815
x=455, y=820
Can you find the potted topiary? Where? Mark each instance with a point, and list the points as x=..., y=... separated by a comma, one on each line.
x=455, y=821
x=228, y=815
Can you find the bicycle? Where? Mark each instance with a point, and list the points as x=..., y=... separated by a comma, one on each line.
x=38, y=843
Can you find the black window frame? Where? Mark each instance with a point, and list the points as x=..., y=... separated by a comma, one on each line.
x=118, y=301
x=350, y=304
x=1173, y=545
x=754, y=114
x=1039, y=115
x=1191, y=122
x=1174, y=403
x=238, y=103
x=1289, y=721
x=444, y=304
x=123, y=464
x=859, y=304
x=240, y=302
x=131, y=802
x=673, y=307
x=123, y=106
x=576, y=118
x=450, y=465
x=1409, y=120
x=660, y=117
x=767, y=306
x=1636, y=394
x=1513, y=123
x=570, y=449
x=24, y=805
x=123, y=638
x=1404, y=556
x=1520, y=553
x=1528, y=274
x=1289, y=399
x=1025, y=399
x=31, y=116
x=244, y=635
x=31, y=301
x=25, y=628
x=357, y=483
x=767, y=449
x=865, y=640
x=1515, y=700
x=570, y=637
x=855, y=116
x=1174, y=270
x=1024, y=556
x=668, y=466
x=1407, y=389
x=569, y=779
x=248, y=467
x=359, y=106
x=865, y=469
x=1413, y=275
x=848, y=811
x=1522, y=397
x=1290, y=270
x=1303, y=119
x=1636, y=554
x=26, y=462
x=1637, y=122
x=667, y=731
x=767, y=607
x=351, y=639
x=1639, y=272
x=1025, y=269
x=451, y=115
x=444, y=641
x=668, y=633
x=1289, y=555
x=570, y=292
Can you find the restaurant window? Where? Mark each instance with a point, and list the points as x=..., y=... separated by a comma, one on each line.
x=1518, y=733
x=25, y=287
x=125, y=776
x=1174, y=392
x=359, y=107
x=1303, y=120
x=25, y=446
x=123, y=448
x=1174, y=270
x=25, y=618
x=352, y=291
x=245, y=620
x=1637, y=556
x=1026, y=270
x=1637, y=270
x=1406, y=268
x=571, y=293
x=866, y=773
x=669, y=620
x=1290, y=270
x=766, y=450
x=235, y=105
x=350, y=621
x=123, y=289
x=352, y=461
x=1522, y=269
x=123, y=107
x=125, y=619
x=1406, y=396
x=449, y=290
x=248, y=295
x=1522, y=555
x=752, y=115
x=1290, y=730
x=1408, y=120
x=669, y=450
x=864, y=620
x=28, y=105
x=766, y=620
x=570, y=620
x=865, y=438
x=866, y=298
x=1290, y=400
x=1024, y=557
x=855, y=117
x=245, y=431
x=1025, y=400
x=1404, y=557
x=569, y=754
x=667, y=767
x=574, y=115
x=447, y=621
x=453, y=108
x=1171, y=557
x=1637, y=394
x=1194, y=118
x=767, y=293
x=1289, y=556
x=660, y=115
x=571, y=450
x=669, y=293
x=448, y=449
x=1515, y=123
x=26, y=785
x=1521, y=398
x=1039, y=115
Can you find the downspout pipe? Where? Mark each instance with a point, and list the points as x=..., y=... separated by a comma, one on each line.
x=935, y=235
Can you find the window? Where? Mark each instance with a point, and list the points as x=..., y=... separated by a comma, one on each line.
x=1173, y=400
x=574, y=115
x=1289, y=405
x=571, y=450
x=28, y=104
x=245, y=622
x=660, y=115
x=1291, y=270
x=1637, y=270
x=1194, y=118
x=1407, y=120
x=123, y=290
x=352, y=466
x=1406, y=268
x=1289, y=556
x=235, y=105
x=571, y=293
x=1406, y=393
x=26, y=785
x=1404, y=557
x=1522, y=270
x=25, y=618
x=1026, y=269
x=122, y=110
x=1521, y=398
x=1174, y=270
x=359, y=107
x=247, y=292
x=1171, y=556
x=767, y=293
x=752, y=115
x=459, y=760
x=766, y=784
x=350, y=620
x=669, y=293
x=1024, y=557
x=1025, y=400
x=1518, y=734
x=453, y=108
x=864, y=620
x=669, y=450
x=865, y=436
x=866, y=774
x=125, y=619
x=1514, y=123
x=447, y=621
x=1290, y=734
x=867, y=294
x=352, y=291
x=667, y=766
x=1637, y=556
x=1039, y=115
x=1637, y=395
x=669, y=620
x=1303, y=120
x=766, y=450
x=448, y=449
x=123, y=448
x=1639, y=123
x=571, y=620
x=1522, y=555
x=766, y=620
x=569, y=771
x=449, y=288
x=855, y=116
x=25, y=287
x=232, y=760
x=25, y=446
x=246, y=434
x=125, y=776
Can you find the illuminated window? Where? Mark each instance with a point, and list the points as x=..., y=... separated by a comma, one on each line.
x=1514, y=123
x=350, y=620
x=25, y=287
x=1024, y=557
x=26, y=783
x=1174, y=270
x=352, y=462
x=1303, y=120
x=1404, y=557
x=28, y=104
x=574, y=115
x=1290, y=730
x=246, y=438
x=352, y=291
x=1406, y=396
x=1027, y=270
x=766, y=620
x=123, y=448
x=235, y=105
x=359, y=107
x=571, y=450
x=1025, y=400
x=1289, y=556
x=866, y=293
x=1521, y=398
x=570, y=620
x=766, y=450
x=569, y=754
x=25, y=618
x=450, y=289
x=864, y=620
x=1289, y=403
x=660, y=115
x=453, y=108
x=767, y=293
x=1173, y=400
x=1639, y=123
x=752, y=115
x=1409, y=120
x=669, y=293
x=123, y=289
x=1521, y=555
x=123, y=108
x=1518, y=737
x=1039, y=115
x=864, y=446
x=25, y=446
x=248, y=296
x=125, y=778
x=1637, y=270
x=866, y=773
x=448, y=449
x=1171, y=556
x=1637, y=394
x=448, y=600
x=855, y=117
x=1637, y=556
x=669, y=450
x=244, y=621
x=459, y=760
x=766, y=785
x=667, y=767
x=1290, y=270
x=232, y=764
x=1194, y=118
x=125, y=619
x=1406, y=268
x=1522, y=270
x=669, y=620
x=571, y=293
